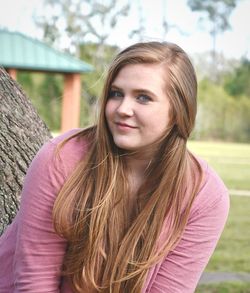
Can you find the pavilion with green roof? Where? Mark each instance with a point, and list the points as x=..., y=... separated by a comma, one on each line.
x=20, y=52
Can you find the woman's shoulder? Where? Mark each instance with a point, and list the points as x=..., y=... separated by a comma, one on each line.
x=60, y=155
x=73, y=142
x=213, y=191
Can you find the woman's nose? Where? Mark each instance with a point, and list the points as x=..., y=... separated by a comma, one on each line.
x=125, y=107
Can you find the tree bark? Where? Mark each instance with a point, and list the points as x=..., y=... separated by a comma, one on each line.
x=21, y=136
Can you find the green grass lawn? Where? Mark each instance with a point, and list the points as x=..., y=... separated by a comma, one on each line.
x=230, y=160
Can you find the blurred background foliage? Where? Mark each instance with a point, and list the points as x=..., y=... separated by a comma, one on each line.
x=224, y=85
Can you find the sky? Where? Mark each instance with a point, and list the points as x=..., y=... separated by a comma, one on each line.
x=185, y=28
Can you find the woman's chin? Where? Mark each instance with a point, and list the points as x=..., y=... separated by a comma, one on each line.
x=126, y=146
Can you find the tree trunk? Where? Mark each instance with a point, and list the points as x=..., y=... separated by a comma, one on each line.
x=22, y=134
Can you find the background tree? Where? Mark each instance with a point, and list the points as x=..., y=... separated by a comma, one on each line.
x=22, y=134
x=237, y=83
x=217, y=12
x=139, y=31
x=82, y=28
x=45, y=91
x=68, y=24
x=221, y=116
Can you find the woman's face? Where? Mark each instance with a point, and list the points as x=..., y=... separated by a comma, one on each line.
x=137, y=110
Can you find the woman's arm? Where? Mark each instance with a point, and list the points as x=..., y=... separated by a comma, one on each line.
x=182, y=268
x=39, y=250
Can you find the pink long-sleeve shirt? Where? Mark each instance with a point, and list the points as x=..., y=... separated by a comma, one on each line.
x=31, y=253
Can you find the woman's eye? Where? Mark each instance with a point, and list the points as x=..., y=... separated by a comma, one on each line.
x=115, y=94
x=143, y=99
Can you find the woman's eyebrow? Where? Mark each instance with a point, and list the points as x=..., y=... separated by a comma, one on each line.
x=145, y=91
x=113, y=86
x=136, y=91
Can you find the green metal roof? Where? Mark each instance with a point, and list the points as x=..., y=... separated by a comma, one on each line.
x=22, y=52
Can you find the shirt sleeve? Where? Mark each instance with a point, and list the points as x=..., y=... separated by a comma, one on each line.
x=39, y=250
x=182, y=268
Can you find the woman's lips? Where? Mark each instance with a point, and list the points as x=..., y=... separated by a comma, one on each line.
x=124, y=126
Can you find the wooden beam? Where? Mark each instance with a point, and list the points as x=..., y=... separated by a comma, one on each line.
x=71, y=102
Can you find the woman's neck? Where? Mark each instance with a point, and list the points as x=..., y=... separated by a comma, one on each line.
x=138, y=165
x=139, y=161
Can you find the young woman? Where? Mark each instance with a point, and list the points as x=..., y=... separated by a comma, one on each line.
x=122, y=206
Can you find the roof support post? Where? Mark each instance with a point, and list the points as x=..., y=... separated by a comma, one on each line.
x=12, y=72
x=71, y=102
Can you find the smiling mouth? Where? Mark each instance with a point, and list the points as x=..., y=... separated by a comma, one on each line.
x=124, y=125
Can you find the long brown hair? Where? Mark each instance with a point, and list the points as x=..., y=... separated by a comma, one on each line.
x=108, y=251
